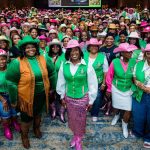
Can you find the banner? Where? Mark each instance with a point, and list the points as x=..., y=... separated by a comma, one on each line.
x=74, y=3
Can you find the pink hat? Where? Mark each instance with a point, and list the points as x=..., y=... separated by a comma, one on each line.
x=76, y=30
x=53, y=21
x=42, y=37
x=3, y=53
x=144, y=24
x=72, y=43
x=146, y=29
x=125, y=47
x=4, y=25
x=147, y=48
x=94, y=41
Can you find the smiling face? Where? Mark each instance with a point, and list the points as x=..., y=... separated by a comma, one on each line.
x=15, y=39
x=3, y=44
x=55, y=49
x=3, y=62
x=30, y=50
x=127, y=55
x=75, y=54
x=93, y=49
x=109, y=41
x=34, y=34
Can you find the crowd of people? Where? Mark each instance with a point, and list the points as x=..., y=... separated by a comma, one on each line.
x=69, y=62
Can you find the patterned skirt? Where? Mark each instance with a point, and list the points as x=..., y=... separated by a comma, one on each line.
x=76, y=109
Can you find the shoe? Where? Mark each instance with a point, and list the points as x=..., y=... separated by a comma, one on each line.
x=53, y=111
x=78, y=143
x=7, y=132
x=73, y=142
x=94, y=119
x=16, y=124
x=146, y=145
x=62, y=115
x=125, y=129
x=24, y=134
x=104, y=107
x=132, y=135
x=115, y=119
x=36, y=126
x=109, y=106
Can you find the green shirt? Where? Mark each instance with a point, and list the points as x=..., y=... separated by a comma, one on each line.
x=3, y=83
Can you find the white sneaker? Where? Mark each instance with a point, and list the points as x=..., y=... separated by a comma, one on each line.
x=94, y=119
x=115, y=119
x=125, y=129
x=146, y=145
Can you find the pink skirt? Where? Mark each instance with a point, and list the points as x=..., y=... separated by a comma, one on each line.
x=76, y=109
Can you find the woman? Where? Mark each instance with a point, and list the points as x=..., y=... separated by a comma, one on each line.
x=14, y=50
x=7, y=113
x=119, y=82
x=65, y=41
x=33, y=33
x=69, y=32
x=4, y=43
x=25, y=28
x=84, y=40
x=44, y=49
x=141, y=99
x=122, y=37
x=29, y=86
x=57, y=56
x=77, y=90
x=99, y=62
x=133, y=38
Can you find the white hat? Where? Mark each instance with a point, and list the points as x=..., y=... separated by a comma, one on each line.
x=55, y=42
x=102, y=34
x=134, y=35
x=52, y=31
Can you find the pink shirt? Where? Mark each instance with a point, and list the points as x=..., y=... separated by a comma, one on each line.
x=110, y=74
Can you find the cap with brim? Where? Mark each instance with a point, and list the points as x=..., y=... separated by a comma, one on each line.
x=52, y=31
x=15, y=29
x=27, y=40
x=3, y=38
x=102, y=34
x=134, y=35
x=42, y=28
x=66, y=36
x=125, y=47
x=3, y=52
x=146, y=29
x=62, y=26
x=112, y=26
x=147, y=48
x=72, y=43
x=94, y=41
x=42, y=37
x=26, y=24
x=55, y=42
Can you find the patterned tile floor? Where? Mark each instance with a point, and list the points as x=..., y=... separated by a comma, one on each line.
x=56, y=136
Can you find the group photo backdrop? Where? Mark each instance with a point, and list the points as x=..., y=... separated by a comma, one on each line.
x=74, y=3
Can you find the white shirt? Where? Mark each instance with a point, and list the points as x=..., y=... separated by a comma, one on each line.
x=105, y=65
x=146, y=70
x=91, y=79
